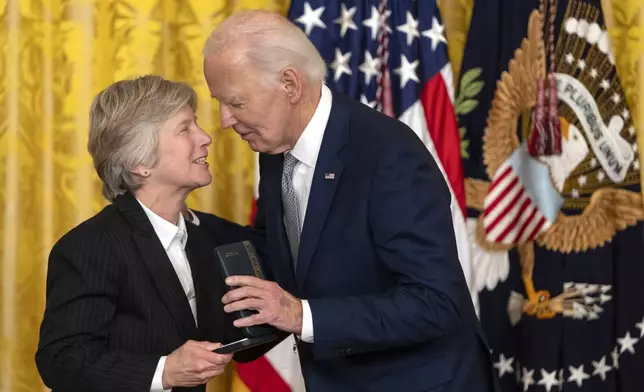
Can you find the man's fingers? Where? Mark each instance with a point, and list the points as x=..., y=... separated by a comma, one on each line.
x=255, y=319
x=242, y=280
x=241, y=293
x=248, y=303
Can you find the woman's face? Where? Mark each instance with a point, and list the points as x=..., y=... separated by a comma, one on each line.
x=182, y=151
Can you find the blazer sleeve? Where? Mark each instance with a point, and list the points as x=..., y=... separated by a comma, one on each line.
x=82, y=295
x=227, y=232
x=411, y=225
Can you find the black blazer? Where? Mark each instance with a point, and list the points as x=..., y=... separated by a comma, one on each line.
x=115, y=304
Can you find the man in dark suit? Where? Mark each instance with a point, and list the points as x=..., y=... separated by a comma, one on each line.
x=356, y=217
x=133, y=296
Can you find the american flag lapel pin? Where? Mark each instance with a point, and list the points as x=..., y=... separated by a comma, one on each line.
x=329, y=176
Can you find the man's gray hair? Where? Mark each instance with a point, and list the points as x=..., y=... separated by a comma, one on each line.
x=124, y=124
x=270, y=42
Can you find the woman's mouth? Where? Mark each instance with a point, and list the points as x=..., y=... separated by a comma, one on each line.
x=200, y=161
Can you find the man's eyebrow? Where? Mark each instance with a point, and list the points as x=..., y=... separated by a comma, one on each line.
x=230, y=100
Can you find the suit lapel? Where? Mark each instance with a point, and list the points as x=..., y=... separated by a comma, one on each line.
x=327, y=175
x=208, y=282
x=158, y=265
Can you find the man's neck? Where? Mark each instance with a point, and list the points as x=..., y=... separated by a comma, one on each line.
x=167, y=205
x=306, y=111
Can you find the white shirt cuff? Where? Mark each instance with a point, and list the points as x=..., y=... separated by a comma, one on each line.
x=307, y=322
x=157, y=380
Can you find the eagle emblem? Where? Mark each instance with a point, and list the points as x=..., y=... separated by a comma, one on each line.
x=588, y=192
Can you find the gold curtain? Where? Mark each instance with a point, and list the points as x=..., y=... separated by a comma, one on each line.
x=56, y=55
x=625, y=23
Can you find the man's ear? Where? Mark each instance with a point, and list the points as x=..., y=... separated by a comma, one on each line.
x=292, y=82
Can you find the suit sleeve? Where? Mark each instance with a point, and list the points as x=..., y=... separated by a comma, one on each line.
x=411, y=225
x=227, y=232
x=258, y=237
x=82, y=295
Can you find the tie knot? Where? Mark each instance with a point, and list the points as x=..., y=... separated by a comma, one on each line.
x=289, y=162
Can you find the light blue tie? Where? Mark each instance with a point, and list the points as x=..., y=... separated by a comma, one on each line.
x=291, y=206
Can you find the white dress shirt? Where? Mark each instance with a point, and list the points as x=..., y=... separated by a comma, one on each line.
x=306, y=151
x=174, y=239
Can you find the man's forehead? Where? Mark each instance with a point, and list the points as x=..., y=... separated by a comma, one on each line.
x=227, y=55
x=232, y=86
x=235, y=82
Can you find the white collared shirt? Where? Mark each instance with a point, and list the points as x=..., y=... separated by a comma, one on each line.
x=306, y=151
x=174, y=239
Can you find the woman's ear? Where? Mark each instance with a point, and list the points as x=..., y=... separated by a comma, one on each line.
x=141, y=171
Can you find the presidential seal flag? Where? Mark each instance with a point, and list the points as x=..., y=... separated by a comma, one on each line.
x=557, y=232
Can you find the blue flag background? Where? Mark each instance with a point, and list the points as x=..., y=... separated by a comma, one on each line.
x=567, y=311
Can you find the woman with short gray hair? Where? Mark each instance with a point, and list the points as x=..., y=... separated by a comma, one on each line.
x=125, y=120
x=133, y=299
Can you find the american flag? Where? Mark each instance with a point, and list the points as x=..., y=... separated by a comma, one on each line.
x=392, y=56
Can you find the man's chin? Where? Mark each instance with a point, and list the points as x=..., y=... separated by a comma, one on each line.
x=255, y=146
x=265, y=149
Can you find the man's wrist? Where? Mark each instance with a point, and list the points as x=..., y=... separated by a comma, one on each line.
x=306, y=331
x=300, y=316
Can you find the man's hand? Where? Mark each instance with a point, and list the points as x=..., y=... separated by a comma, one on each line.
x=275, y=306
x=193, y=364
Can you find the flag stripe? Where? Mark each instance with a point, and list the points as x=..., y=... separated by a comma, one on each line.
x=512, y=216
x=505, y=170
x=443, y=130
x=537, y=228
x=500, y=190
x=505, y=217
x=493, y=212
x=528, y=211
x=260, y=376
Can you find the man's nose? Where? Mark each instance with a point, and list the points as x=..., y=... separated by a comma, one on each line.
x=227, y=117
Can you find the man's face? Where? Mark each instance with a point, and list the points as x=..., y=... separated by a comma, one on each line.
x=261, y=115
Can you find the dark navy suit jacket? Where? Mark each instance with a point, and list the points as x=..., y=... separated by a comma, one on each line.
x=377, y=262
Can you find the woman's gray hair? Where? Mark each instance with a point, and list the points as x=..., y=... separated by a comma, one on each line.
x=269, y=42
x=124, y=123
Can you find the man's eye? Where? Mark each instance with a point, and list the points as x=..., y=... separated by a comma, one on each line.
x=237, y=105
